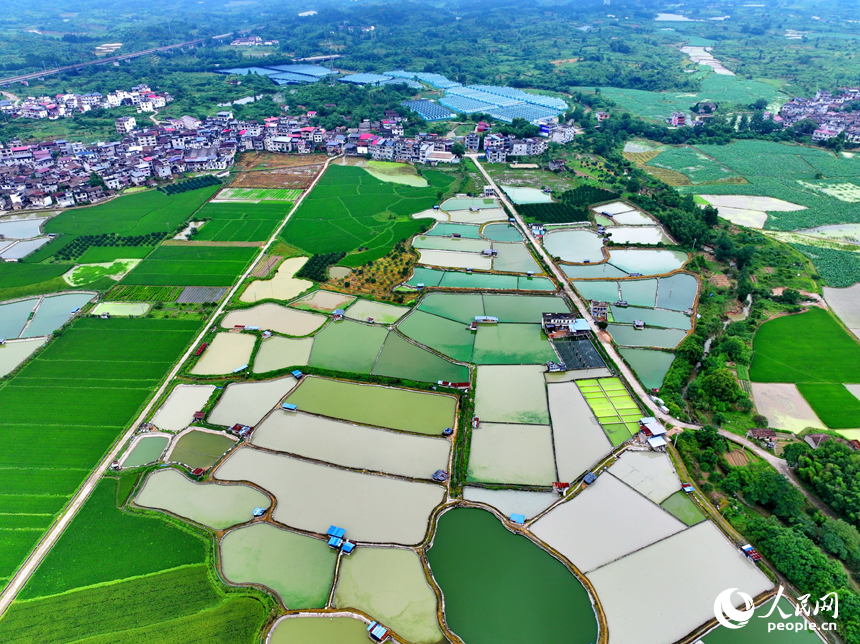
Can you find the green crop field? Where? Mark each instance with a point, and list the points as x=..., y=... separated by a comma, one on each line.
x=350, y=209
x=191, y=266
x=839, y=268
x=104, y=543
x=692, y=163
x=714, y=87
x=240, y=221
x=135, y=214
x=176, y=605
x=67, y=406
x=99, y=254
x=121, y=293
x=837, y=407
x=810, y=347
x=19, y=279
x=260, y=194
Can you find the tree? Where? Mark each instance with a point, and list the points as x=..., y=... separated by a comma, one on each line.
x=96, y=180
x=458, y=150
x=721, y=385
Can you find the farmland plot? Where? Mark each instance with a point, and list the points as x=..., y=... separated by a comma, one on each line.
x=191, y=266
x=245, y=222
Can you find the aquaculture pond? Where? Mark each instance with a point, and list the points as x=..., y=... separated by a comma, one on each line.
x=214, y=505
x=451, y=243
x=458, y=279
x=403, y=409
x=652, y=317
x=14, y=353
x=122, y=309
x=402, y=359
x=502, y=233
x=650, y=366
x=299, y=569
x=756, y=631
x=639, y=235
x=501, y=587
x=514, y=258
x=248, y=402
x=365, y=310
x=356, y=446
x=198, y=448
x=184, y=401
x=319, y=630
x=526, y=195
x=592, y=271
x=446, y=229
x=390, y=585
x=326, y=301
x=54, y=312
x=14, y=316
x=646, y=261
x=283, y=286
x=145, y=449
x=226, y=353
x=575, y=246
x=347, y=346
x=275, y=318
x=278, y=353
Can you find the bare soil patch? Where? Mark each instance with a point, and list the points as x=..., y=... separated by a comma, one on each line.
x=265, y=267
x=719, y=280
x=270, y=160
x=297, y=177
x=737, y=457
x=564, y=61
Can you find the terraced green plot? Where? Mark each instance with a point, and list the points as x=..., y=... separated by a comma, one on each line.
x=191, y=266
x=71, y=402
x=245, y=222
x=616, y=411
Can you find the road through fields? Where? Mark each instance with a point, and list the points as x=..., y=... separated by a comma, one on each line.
x=19, y=579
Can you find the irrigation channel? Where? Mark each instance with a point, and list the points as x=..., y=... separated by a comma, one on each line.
x=16, y=583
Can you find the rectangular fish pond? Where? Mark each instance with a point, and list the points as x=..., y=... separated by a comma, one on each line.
x=199, y=448
x=406, y=410
x=144, y=449
x=457, y=279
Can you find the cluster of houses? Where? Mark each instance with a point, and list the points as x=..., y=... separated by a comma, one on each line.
x=826, y=110
x=253, y=41
x=58, y=173
x=67, y=105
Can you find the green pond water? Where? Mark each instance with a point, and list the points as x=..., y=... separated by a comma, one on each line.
x=464, y=203
x=14, y=316
x=652, y=317
x=604, y=291
x=521, y=308
x=456, y=279
x=591, y=271
x=402, y=359
x=627, y=336
x=347, y=346
x=502, y=233
x=755, y=631
x=54, y=312
x=298, y=568
x=410, y=411
x=677, y=292
x=650, y=366
x=448, y=337
x=575, y=246
x=682, y=507
x=511, y=344
x=526, y=195
x=514, y=258
x=446, y=229
x=500, y=587
x=320, y=630
x=646, y=261
x=461, y=307
x=639, y=292
x=146, y=450
x=200, y=449
x=450, y=243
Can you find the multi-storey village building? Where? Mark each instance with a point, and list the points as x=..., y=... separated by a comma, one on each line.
x=827, y=111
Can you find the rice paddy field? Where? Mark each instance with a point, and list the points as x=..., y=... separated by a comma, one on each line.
x=67, y=407
x=135, y=214
x=349, y=208
x=242, y=222
x=191, y=266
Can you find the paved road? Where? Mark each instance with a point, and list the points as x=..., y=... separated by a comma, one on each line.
x=20, y=578
x=583, y=309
